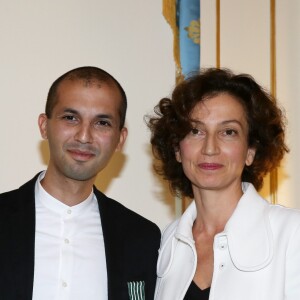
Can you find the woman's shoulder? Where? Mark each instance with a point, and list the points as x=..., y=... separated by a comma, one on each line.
x=280, y=213
x=285, y=222
x=182, y=227
x=169, y=231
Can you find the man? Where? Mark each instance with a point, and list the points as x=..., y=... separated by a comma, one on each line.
x=60, y=237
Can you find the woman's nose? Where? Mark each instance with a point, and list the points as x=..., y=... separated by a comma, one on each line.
x=210, y=145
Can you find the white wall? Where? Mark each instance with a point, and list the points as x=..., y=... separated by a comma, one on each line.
x=40, y=40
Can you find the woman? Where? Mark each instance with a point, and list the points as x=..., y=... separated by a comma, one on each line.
x=216, y=138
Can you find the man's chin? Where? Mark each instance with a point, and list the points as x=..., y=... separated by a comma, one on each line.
x=81, y=176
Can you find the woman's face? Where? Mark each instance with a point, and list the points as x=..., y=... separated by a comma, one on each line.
x=214, y=153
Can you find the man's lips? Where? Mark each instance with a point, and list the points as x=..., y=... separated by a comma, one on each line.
x=210, y=166
x=80, y=154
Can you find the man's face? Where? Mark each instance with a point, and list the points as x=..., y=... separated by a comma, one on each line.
x=83, y=131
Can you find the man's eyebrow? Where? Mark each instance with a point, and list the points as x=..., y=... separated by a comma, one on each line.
x=98, y=116
x=104, y=116
x=70, y=110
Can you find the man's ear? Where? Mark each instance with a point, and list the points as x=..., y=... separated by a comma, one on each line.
x=123, y=136
x=250, y=156
x=42, y=121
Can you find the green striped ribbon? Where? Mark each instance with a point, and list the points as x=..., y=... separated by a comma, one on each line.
x=136, y=290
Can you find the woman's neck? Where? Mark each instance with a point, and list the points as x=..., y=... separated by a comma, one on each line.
x=214, y=208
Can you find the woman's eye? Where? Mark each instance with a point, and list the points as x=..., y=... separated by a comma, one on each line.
x=195, y=131
x=230, y=132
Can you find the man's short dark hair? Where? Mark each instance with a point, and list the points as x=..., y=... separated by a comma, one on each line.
x=89, y=75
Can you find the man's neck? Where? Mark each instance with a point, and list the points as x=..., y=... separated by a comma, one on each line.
x=69, y=191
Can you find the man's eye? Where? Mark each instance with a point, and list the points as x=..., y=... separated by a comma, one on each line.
x=69, y=118
x=103, y=123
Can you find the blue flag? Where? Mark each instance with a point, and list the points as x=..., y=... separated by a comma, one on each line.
x=184, y=19
x=188, y=22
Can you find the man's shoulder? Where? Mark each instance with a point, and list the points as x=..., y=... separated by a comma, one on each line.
x=7, y=201
x=25, y=190
x=123, y=215
x=8, y=194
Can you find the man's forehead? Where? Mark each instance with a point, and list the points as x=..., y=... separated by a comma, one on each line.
x=73, y=86
x=87, y=82
x=70, y=83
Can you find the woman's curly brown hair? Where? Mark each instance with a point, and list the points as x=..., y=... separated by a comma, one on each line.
x=172, y=122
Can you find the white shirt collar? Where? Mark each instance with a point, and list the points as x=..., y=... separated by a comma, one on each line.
x=56, y=205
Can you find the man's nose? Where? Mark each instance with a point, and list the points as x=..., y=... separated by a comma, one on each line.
x=84, y=134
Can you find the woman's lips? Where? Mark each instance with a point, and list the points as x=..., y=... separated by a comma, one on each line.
x=210, y=166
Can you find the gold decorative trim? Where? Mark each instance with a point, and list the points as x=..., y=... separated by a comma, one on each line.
x=274, y=173
x=218, y=35
x=169, y=12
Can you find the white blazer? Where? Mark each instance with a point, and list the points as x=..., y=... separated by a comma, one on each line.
x=256, y=257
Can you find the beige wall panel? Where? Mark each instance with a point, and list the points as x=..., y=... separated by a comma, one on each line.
x=245, y=37
x=288, y=91
x=40, y=40
x=245, y=47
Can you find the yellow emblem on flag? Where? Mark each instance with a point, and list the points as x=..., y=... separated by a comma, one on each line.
x=193, y=31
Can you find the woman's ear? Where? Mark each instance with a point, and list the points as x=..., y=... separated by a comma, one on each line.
x=178, y=155
x=250, y=156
